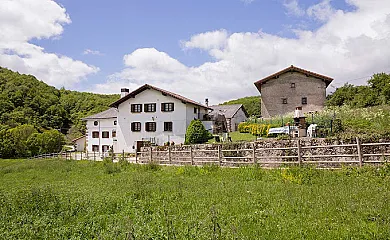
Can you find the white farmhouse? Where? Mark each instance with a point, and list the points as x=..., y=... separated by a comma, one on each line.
x=101, y=130
x=154, y=115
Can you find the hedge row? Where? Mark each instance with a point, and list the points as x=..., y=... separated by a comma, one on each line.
x=254, y=128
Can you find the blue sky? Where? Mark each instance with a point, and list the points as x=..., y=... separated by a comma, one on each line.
x=119, y=28
x=196, y=48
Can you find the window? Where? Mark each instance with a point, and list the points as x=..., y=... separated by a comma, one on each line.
x=150, y=107
x=135, y=126
x=105, y=148
x=195, y=110
x=292, y=85
x=284, y=100
x=105, y=134
x=304, y=100
x=95, y=148
x=167, y=107
x=150, y=126
x=168, y=126
x=95, y=134
x=113, y=133
x=115, y=123
x=95, y=123
x=136, y=108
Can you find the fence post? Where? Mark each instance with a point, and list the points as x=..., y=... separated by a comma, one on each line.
x=81, y=156
x=299, y=152
x=151, y=158
x=169, y=155
x=254, y=153
x=123, y=155
x=191, y=155
x=94, y=156
x=359, y=150
x=136, y=156
x=219, y=155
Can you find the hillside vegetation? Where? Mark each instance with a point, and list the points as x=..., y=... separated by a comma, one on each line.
x=28, y=102
x=251, y=104
x=376, y=92
x=57, y=199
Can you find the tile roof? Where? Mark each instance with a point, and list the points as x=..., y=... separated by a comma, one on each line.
x=228, y=110
x=147, y=86
x=109, y=113
x=292, y=68
x=74, y=140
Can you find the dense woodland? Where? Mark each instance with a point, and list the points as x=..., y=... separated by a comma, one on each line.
x=31, y=106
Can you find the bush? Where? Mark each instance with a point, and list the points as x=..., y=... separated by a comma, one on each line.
x=254, y=128
x=197, y=133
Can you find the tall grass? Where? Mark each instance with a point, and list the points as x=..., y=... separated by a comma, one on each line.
x=56, y=199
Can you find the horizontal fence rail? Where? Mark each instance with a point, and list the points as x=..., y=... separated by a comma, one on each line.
x=357, y=154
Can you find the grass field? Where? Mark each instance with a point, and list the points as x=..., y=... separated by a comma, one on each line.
x=238, y=137
x=57, y=199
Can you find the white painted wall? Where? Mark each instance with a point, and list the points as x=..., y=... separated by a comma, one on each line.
x=80, y=144
x=103, y=125
x=180, y=117
x=238, y=118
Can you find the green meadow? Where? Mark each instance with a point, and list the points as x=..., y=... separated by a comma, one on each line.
x=58, y=199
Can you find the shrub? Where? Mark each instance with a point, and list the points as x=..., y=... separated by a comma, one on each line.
x=197, y=133
x=254, y=128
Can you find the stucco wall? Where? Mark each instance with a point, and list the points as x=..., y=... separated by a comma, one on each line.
x=273, y=91
x=237, y=118
x=80, y=144
x=180, y=117
x=103, y=125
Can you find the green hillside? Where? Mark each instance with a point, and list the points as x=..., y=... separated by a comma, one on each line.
x=30, y=107
x=26, y=100
x=251, y=104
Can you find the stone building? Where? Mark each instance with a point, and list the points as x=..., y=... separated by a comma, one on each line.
x=289, y=88
x=234, y=114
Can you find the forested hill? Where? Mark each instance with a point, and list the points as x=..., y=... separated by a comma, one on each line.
x=251, y=104
x=26, y=100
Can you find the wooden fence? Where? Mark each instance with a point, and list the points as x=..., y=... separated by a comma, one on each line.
x=356, y=154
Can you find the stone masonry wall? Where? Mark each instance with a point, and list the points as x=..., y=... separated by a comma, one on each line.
x=242, y=153
x=273, y=91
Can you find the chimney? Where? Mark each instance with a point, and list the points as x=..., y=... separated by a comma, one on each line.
x=206, y=102
x=124, y=92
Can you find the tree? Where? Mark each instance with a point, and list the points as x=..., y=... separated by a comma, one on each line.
x=197, y=133
x=20, y=134
x=46, y=142
x=380, y=84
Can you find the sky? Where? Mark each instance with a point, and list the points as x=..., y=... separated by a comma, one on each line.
x=213, y=49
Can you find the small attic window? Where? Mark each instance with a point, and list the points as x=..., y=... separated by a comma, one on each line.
x=292, y=85
x=95, y=123
x=284, y=100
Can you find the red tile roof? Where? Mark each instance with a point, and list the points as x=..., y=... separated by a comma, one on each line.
x=292, y=68
x=147, y=86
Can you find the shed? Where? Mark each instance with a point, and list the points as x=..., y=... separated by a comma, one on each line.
x=234, y=115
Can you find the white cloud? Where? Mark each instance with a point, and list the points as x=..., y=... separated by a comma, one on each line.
x=347, y=46
x=247, y=1
x=23, y=20
x=321, y=11
x=92, y=52
x=208, y=40
x=293, y=8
